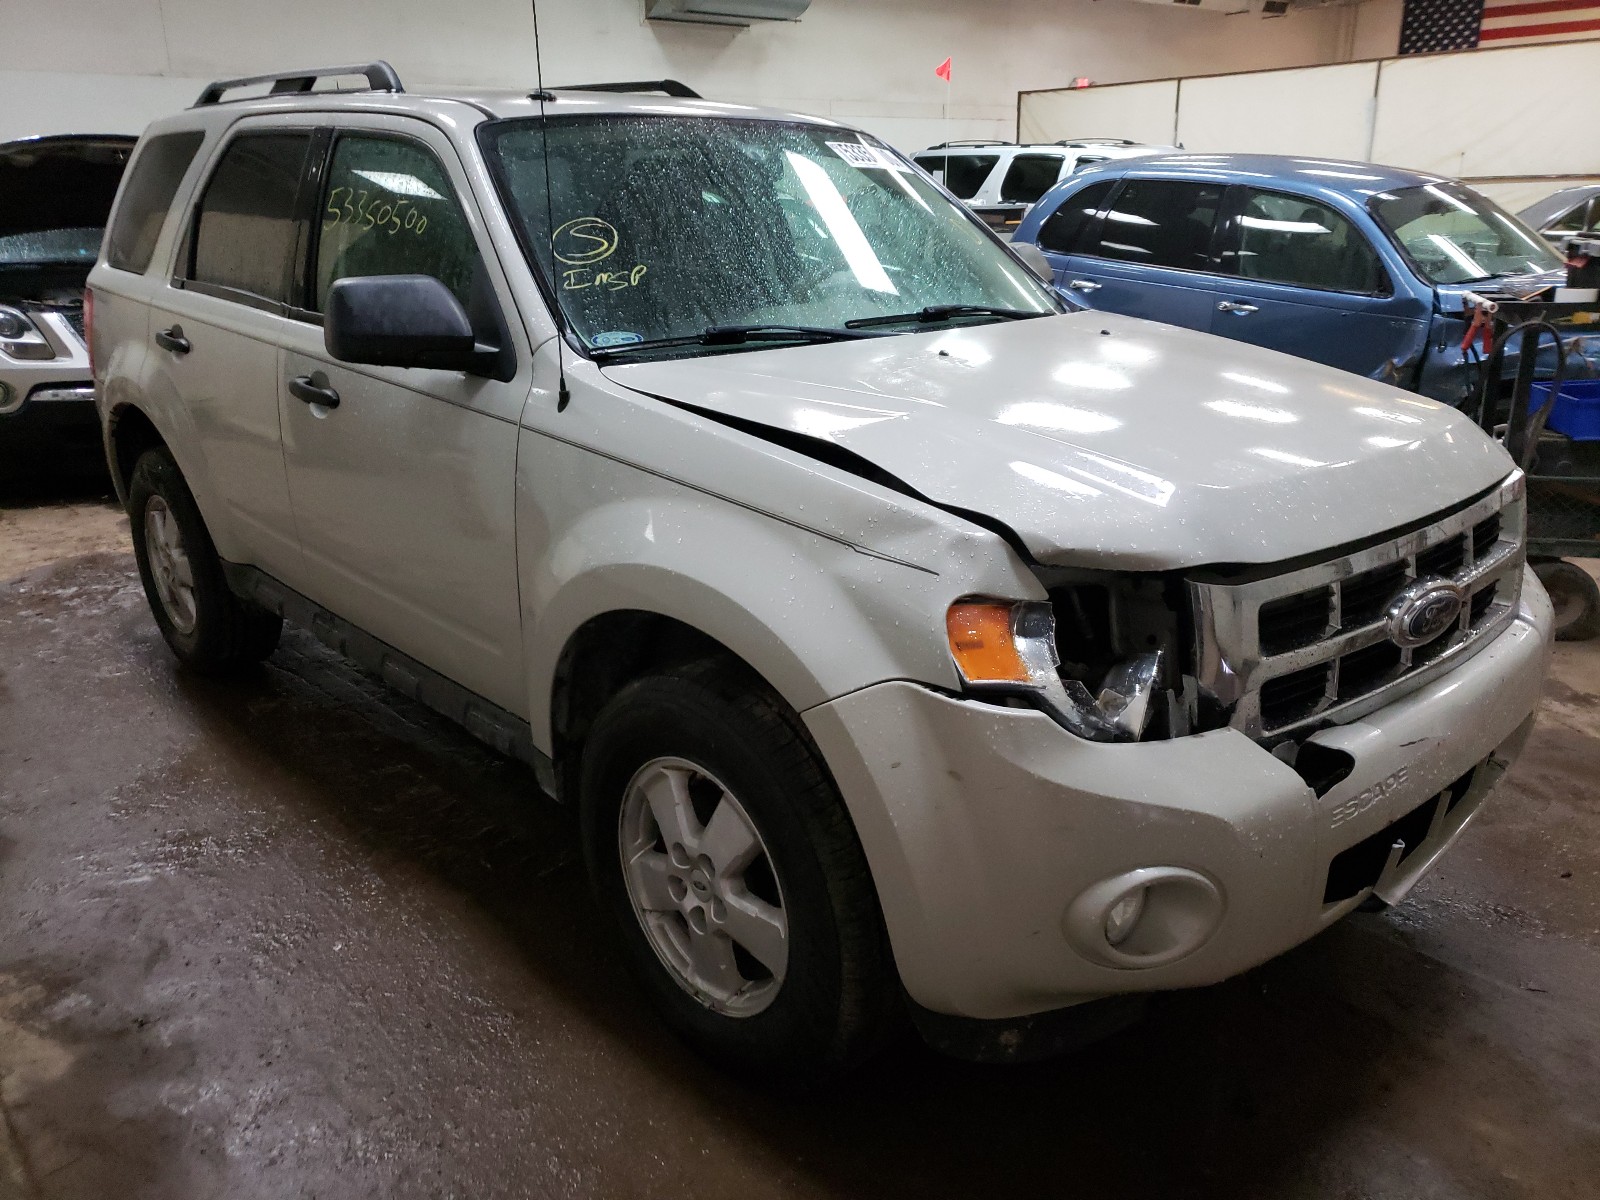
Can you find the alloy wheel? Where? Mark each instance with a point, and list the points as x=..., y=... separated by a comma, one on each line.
x=703, y=887
x=169, y=565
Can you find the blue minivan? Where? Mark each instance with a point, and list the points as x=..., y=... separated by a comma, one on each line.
x=1361, y=267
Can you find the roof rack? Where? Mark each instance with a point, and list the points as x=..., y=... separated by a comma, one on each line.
x=973, y=142
x=1094, y=141
x=380, y=78
x=667, y=87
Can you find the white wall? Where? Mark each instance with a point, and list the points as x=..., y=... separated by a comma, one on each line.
x=869, y=62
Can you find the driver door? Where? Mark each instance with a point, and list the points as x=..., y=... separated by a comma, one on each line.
x=403, y=491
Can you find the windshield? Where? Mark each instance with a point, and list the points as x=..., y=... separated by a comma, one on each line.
x=1454, y=235
x=51, y=246
x=666, y=227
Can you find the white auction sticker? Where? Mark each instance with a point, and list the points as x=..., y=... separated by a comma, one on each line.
x=858, y=154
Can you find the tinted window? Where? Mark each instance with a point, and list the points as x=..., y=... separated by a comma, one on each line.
x=152, y=182
x=389, y=209
x=1030, y=176
x=933, y=164
x=1581, y=219
x=1289, y=239
x=246, y=234
x=1161, y=223
x=964, y=173
x=1065, y=228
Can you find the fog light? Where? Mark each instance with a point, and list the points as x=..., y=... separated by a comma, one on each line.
x=1124, y=915
x=1147, y=917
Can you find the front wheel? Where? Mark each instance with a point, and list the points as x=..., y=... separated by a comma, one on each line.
x=209, y=628
x=723, y=852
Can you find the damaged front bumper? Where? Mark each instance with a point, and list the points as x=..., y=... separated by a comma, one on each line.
x=1004, y=849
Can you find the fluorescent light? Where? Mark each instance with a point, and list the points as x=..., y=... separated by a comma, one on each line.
x=400, y=183
x=835, y=213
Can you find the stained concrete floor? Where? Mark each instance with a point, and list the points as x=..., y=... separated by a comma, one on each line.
x=294, y=937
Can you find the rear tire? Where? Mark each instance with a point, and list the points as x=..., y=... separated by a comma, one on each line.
x=771, y=960
x=211, y=630
x=1576, y=598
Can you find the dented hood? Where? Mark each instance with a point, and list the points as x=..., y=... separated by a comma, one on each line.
x=1108, y=441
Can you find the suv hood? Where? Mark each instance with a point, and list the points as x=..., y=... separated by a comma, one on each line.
x=1107, y=441
x=62, y=182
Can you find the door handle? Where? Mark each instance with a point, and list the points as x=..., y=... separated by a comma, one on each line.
x=1235, y=307
x=1085, y=285
x=172, y=339
x=302, y=388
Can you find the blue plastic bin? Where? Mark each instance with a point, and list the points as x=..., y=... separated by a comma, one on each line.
x=1576, y=411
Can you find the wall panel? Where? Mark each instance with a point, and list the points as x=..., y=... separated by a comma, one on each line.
x=1321, y=111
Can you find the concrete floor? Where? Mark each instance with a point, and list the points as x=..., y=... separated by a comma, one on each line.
x=293, y=936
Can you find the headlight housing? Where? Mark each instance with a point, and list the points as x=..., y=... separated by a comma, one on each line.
x=20, y=337
x=1009, y=647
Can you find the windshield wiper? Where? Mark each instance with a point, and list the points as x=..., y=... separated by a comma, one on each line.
x=943, y=312
x=738, y=335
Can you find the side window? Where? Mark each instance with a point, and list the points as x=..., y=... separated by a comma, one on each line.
x=1571, y=221
x=247, y=228
x=1161, y=223
x=152, y=182
x=1029, y=177
x=964, y=173
x=1088, y=160
x=933, y=164
x=389, y=209
x=1064, y=230
x=1290, y=239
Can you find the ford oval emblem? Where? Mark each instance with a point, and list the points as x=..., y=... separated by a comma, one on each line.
x=1424, y=611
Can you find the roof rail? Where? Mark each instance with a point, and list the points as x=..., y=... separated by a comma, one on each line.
x=1094, y=141
x=973, y=142
x=667, y=87
x=380, y=78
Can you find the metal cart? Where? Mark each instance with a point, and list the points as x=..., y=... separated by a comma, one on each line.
x=1563, y=473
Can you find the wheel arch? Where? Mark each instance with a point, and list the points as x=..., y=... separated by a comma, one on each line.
x=129, y=433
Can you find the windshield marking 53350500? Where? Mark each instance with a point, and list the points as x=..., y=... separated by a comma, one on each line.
x=680, y=230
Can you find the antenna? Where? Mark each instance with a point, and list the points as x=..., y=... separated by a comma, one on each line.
x=563, y=393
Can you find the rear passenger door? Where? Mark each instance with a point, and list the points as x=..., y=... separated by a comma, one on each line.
x=404, y=492
x=1149, y=253
x=1306, y=281
x=215, y=331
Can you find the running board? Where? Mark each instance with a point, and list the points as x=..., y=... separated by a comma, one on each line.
x=486, y=721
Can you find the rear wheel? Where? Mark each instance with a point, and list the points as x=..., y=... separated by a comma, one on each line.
x=209, y=628
x=723, y=852
x=1575, y=597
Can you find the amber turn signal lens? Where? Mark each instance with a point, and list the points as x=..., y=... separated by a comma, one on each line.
x=982, y=643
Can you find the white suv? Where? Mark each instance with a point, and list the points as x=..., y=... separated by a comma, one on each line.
x=907, y=642
x=1001, y=181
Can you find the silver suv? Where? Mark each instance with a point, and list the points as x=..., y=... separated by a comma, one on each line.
x=906, y=641
x=55, y=195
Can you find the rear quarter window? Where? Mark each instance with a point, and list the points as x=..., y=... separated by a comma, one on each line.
x=152, y=182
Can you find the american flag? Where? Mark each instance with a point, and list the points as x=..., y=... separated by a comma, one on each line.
x=1429, y=26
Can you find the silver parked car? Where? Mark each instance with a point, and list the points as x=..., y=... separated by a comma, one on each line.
x=1571, y=212
x=906, y=640
x=55, y=195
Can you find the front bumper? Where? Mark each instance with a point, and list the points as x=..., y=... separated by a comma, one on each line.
x=983, y=824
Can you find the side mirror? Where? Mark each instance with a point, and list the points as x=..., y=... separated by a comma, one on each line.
x=1033, y=258
x=401, y=321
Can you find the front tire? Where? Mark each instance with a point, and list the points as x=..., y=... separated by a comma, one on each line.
x=1575, y=597
x=718, y=843
x=210, y=629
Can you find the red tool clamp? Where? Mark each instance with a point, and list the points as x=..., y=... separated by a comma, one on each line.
x=1482, y=324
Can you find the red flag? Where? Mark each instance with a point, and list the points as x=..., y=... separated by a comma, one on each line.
x=943, y=70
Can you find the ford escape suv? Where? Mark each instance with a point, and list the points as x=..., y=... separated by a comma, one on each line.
x=907, y=642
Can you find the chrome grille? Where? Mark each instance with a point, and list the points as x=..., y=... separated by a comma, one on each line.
x=1312, y=645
